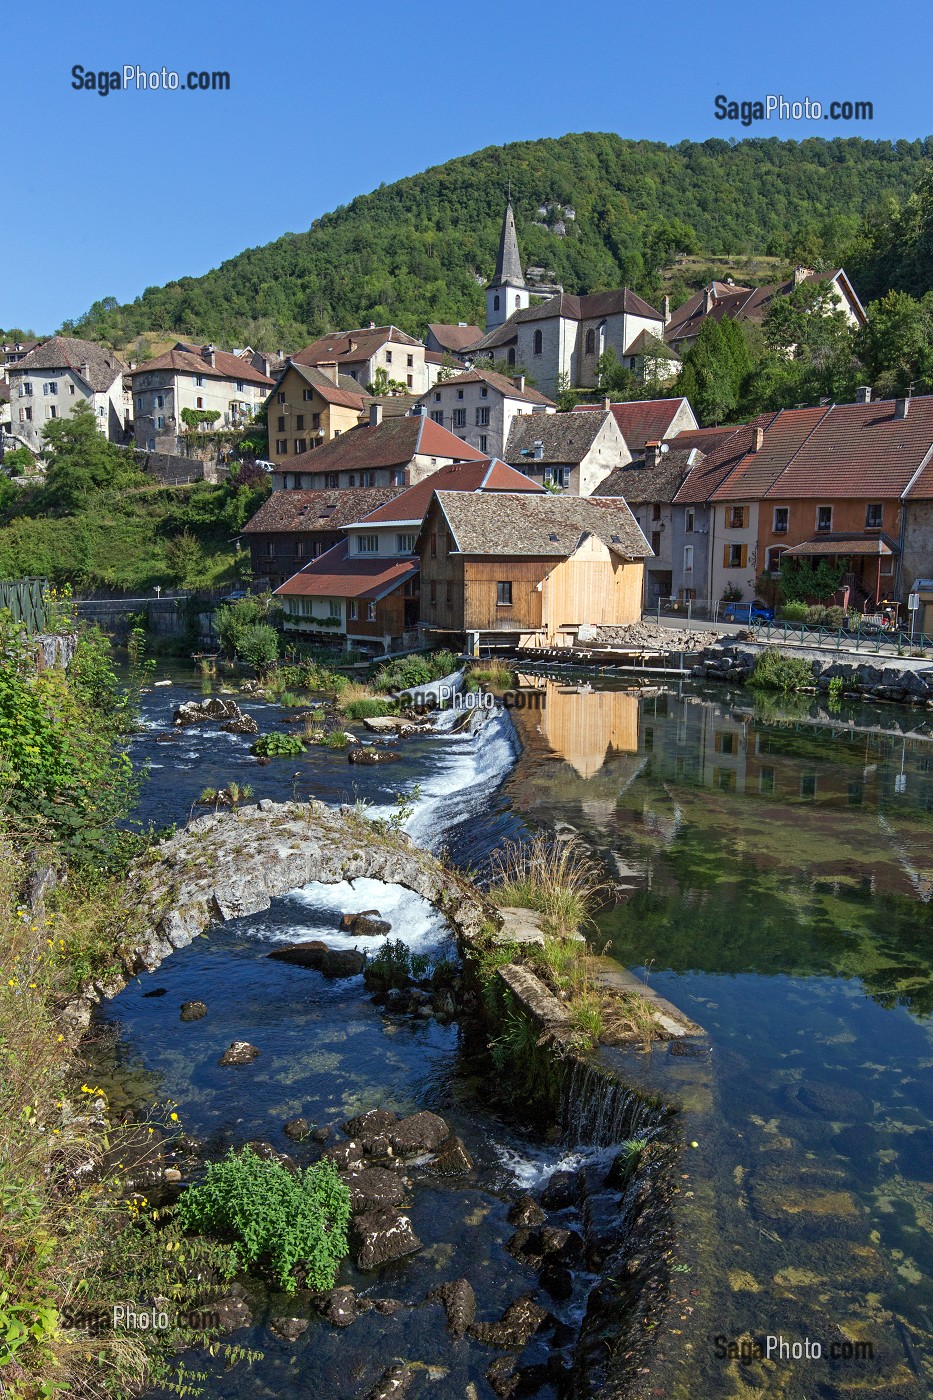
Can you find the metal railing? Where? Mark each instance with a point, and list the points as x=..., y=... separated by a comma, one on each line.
x=872, y=639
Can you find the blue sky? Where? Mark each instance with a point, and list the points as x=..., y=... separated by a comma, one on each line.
x=108, y=195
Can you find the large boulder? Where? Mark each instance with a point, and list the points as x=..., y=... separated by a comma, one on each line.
x=342, y=962
x=373, y=1188
x=371, y=1129
x=308, y=954
x=214, y=708
x=417, y=1134
x=378, y=1236
x=367, y=925
x=338, y=1306
x=459, y=1302
x=192, y=1011
x=243, y=724
x=518, y=1324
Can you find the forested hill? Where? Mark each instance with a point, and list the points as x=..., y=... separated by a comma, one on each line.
x=416, y=250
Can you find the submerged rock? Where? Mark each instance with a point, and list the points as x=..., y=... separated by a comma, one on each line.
x=297, y=1129
x=338, y=1306
x=459, y=1302
x=370, y=757
x=308, y=954
x=231, y=1312
x=288, y=1328
x=393, y=1384
x=378, y=1236
x=192, y=1010
x=526, y=1213
x=452, y=1158
x=240, y=1052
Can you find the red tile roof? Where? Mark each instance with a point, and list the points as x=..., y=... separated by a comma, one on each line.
x=784, y=434
x=392, y=443
x=191, y=359
x=338, y=575
x=346, y=393
x=860, y=450
x=313, y=511
x=641, y=421
x=351, y=347
x=454, y=338
x=704, y=479
x=490, y=474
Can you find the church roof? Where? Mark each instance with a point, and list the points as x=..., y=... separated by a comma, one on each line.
x=508, y=263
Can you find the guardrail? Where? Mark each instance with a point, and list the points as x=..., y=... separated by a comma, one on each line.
x=873, y=640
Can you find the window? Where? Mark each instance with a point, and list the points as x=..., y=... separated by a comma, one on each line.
x=781, y=518
x=139, y=405
x=504, y=594
x=824, y=519
x=281, y=446
x=333, y=605
x=71, y=390
x=437, y=398
x=459, y=393
x=874, y=516
x=735, y=556
x=724, y=778
x=307, y=395
x=518, y=301
x=367, y=544
x=52, y=411
x=483, y=443
x=590, y=343
x=353, y=610
x=511, y=355
x=656, y=511
x=557, y=476
x=199, y=381
x=160, y=420
x=538, y=343
x=398, y=477
x=725, y=742
x=388, y=357
x=330, y=479
x=299, y=549
x=26, y=390
x=482, y=417
x=301, y=445
x=367, y=478
x=299, y=421
x=26, y=414
x=200, y=402
x=281, y=423
x=434, y=590
x=315, y=421
x=808, y=785
x=280, y=398
x=459, y=417
x=270, y=548
x=856, y=793
x=160, y=400
x=239, y=386
x=437, y=415
x=688, y=558
x=411, y=361
x=370, y=612
x=688, y=522
x=656, y=541
x=49, y=388
x=495, y=302
x=405, y=544
x=433, y=545
x=736, y=517
x=450, y=593
x=484, y=392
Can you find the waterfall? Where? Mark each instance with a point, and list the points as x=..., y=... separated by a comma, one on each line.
x=470, y=764
x=599, y=1110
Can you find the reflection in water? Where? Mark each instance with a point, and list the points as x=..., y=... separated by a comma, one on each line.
x=580, y=724
x=775, y=875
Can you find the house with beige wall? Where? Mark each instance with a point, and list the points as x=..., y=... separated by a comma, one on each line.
x=227, y=390
x=310, y=405
x=358, y=354
x=575, y=452
x=46, y=384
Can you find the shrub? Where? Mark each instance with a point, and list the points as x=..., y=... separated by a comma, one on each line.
x=794, y=612
x=493, y=673
x=258, y=646
x=395, y=964
x=835, y=617
x=816, y=616
x=409, y=671
x=336, y=739
x=277, y=745
x=368, y=707
x=774, y=671
x=275, y=1217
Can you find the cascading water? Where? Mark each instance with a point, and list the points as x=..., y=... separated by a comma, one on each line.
x=598, y=1110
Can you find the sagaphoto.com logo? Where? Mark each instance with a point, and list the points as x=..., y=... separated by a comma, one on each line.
x=132, y=78
x=774, y=106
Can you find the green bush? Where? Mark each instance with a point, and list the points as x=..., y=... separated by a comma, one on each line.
x=774, y=671
x=816, y=616
x=275, y=1217
x=258, y=646
x=369, y=707
x=395, y=964
x=410, y=671
x=277, y=745
x=794, y=612
x=835, y=617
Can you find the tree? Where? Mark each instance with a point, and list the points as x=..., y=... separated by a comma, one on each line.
x=612, y=376
x=896, y=344
x=80, y=460
x=715, y=369
x=185, y=558
x=382, y=385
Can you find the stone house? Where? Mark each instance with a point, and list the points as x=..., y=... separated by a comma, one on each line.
x=480, y=406
x=727, y=301
x=48, y=381
x=292, y=527
x=217, y=390
x=641, y=421
x=573, y=451
x=649, y=485
x=358, y=354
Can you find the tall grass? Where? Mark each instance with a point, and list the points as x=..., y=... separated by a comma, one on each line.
x=558, y=879
x=494, y=674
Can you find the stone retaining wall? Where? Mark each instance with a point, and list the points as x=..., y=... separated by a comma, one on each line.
x=896, y=680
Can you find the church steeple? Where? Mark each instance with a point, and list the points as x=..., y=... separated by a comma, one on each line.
x=506, y=292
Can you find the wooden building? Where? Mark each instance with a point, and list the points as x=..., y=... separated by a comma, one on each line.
x=528, y=570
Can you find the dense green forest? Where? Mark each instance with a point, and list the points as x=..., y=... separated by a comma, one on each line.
x=417, y=250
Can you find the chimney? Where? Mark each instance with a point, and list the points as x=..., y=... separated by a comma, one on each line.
x=708, y=298
x=209, y=355
x=665, y=309
x=800, y=275
x=863, y=393
x=758, y=437
x=607, y=403
x=85, y=369
x=519, y=381
x=375, y=415
x=331, y=370
x=539, y=450
x=372, y=325
x=652, y=453
x=901, y=408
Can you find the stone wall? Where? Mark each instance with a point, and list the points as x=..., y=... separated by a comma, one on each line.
x=896, y=680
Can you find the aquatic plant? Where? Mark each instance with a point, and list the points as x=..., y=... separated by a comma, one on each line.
x=587, y=1017
x=494, y=674
x=406, y=672
x=277, y=745
x=275, y=1217
x=367, y=707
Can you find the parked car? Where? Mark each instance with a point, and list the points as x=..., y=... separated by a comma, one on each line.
x=234, y=595
x=747, y=612
x=267, y=466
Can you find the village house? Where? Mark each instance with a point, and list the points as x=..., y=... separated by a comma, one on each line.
x=527, y=570
x=480, y=406
x=292, y=527
x=365, y=590
x=648, y=485
x=310, y=405
x=641, y=421
x=726, y=301
x=451, y=341
x=573, y=451
x=16, y=350
x=382, y=452
x=360, y=353
x=559, y=340
x=48, y=381
x=192, y=389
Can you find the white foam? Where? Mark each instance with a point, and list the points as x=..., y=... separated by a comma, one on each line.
x=414, y=921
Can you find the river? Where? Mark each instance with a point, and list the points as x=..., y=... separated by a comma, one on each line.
x=773, y=873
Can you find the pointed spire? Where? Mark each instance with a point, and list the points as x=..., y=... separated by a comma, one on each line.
x=509, y=263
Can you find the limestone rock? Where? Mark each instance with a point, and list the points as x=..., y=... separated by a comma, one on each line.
x=459, y=1303
x=367, y=1127
x=373, y=1188
x=393, y=1384
x=520, y=1321
x=342, y=962
x=192, y=1010
x=232, y=1313
x=288, y=1328
x=378, y=1236
x=371, y=757
x=214, y=708
x=338, y=1306
x=297, y=1129
x=419, y=1132
x=367, y=925
x=243, y=724
x=311, y=953
x=452, y=1158
x=240, y=1052
x=526, y=1213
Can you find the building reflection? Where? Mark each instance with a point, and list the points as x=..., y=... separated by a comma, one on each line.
x=579, y=724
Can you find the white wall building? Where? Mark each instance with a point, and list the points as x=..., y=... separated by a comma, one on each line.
x=52, y=378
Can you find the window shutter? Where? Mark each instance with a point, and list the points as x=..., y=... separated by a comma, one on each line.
x=744, y=555
x=745, y=514
x=725, y=556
